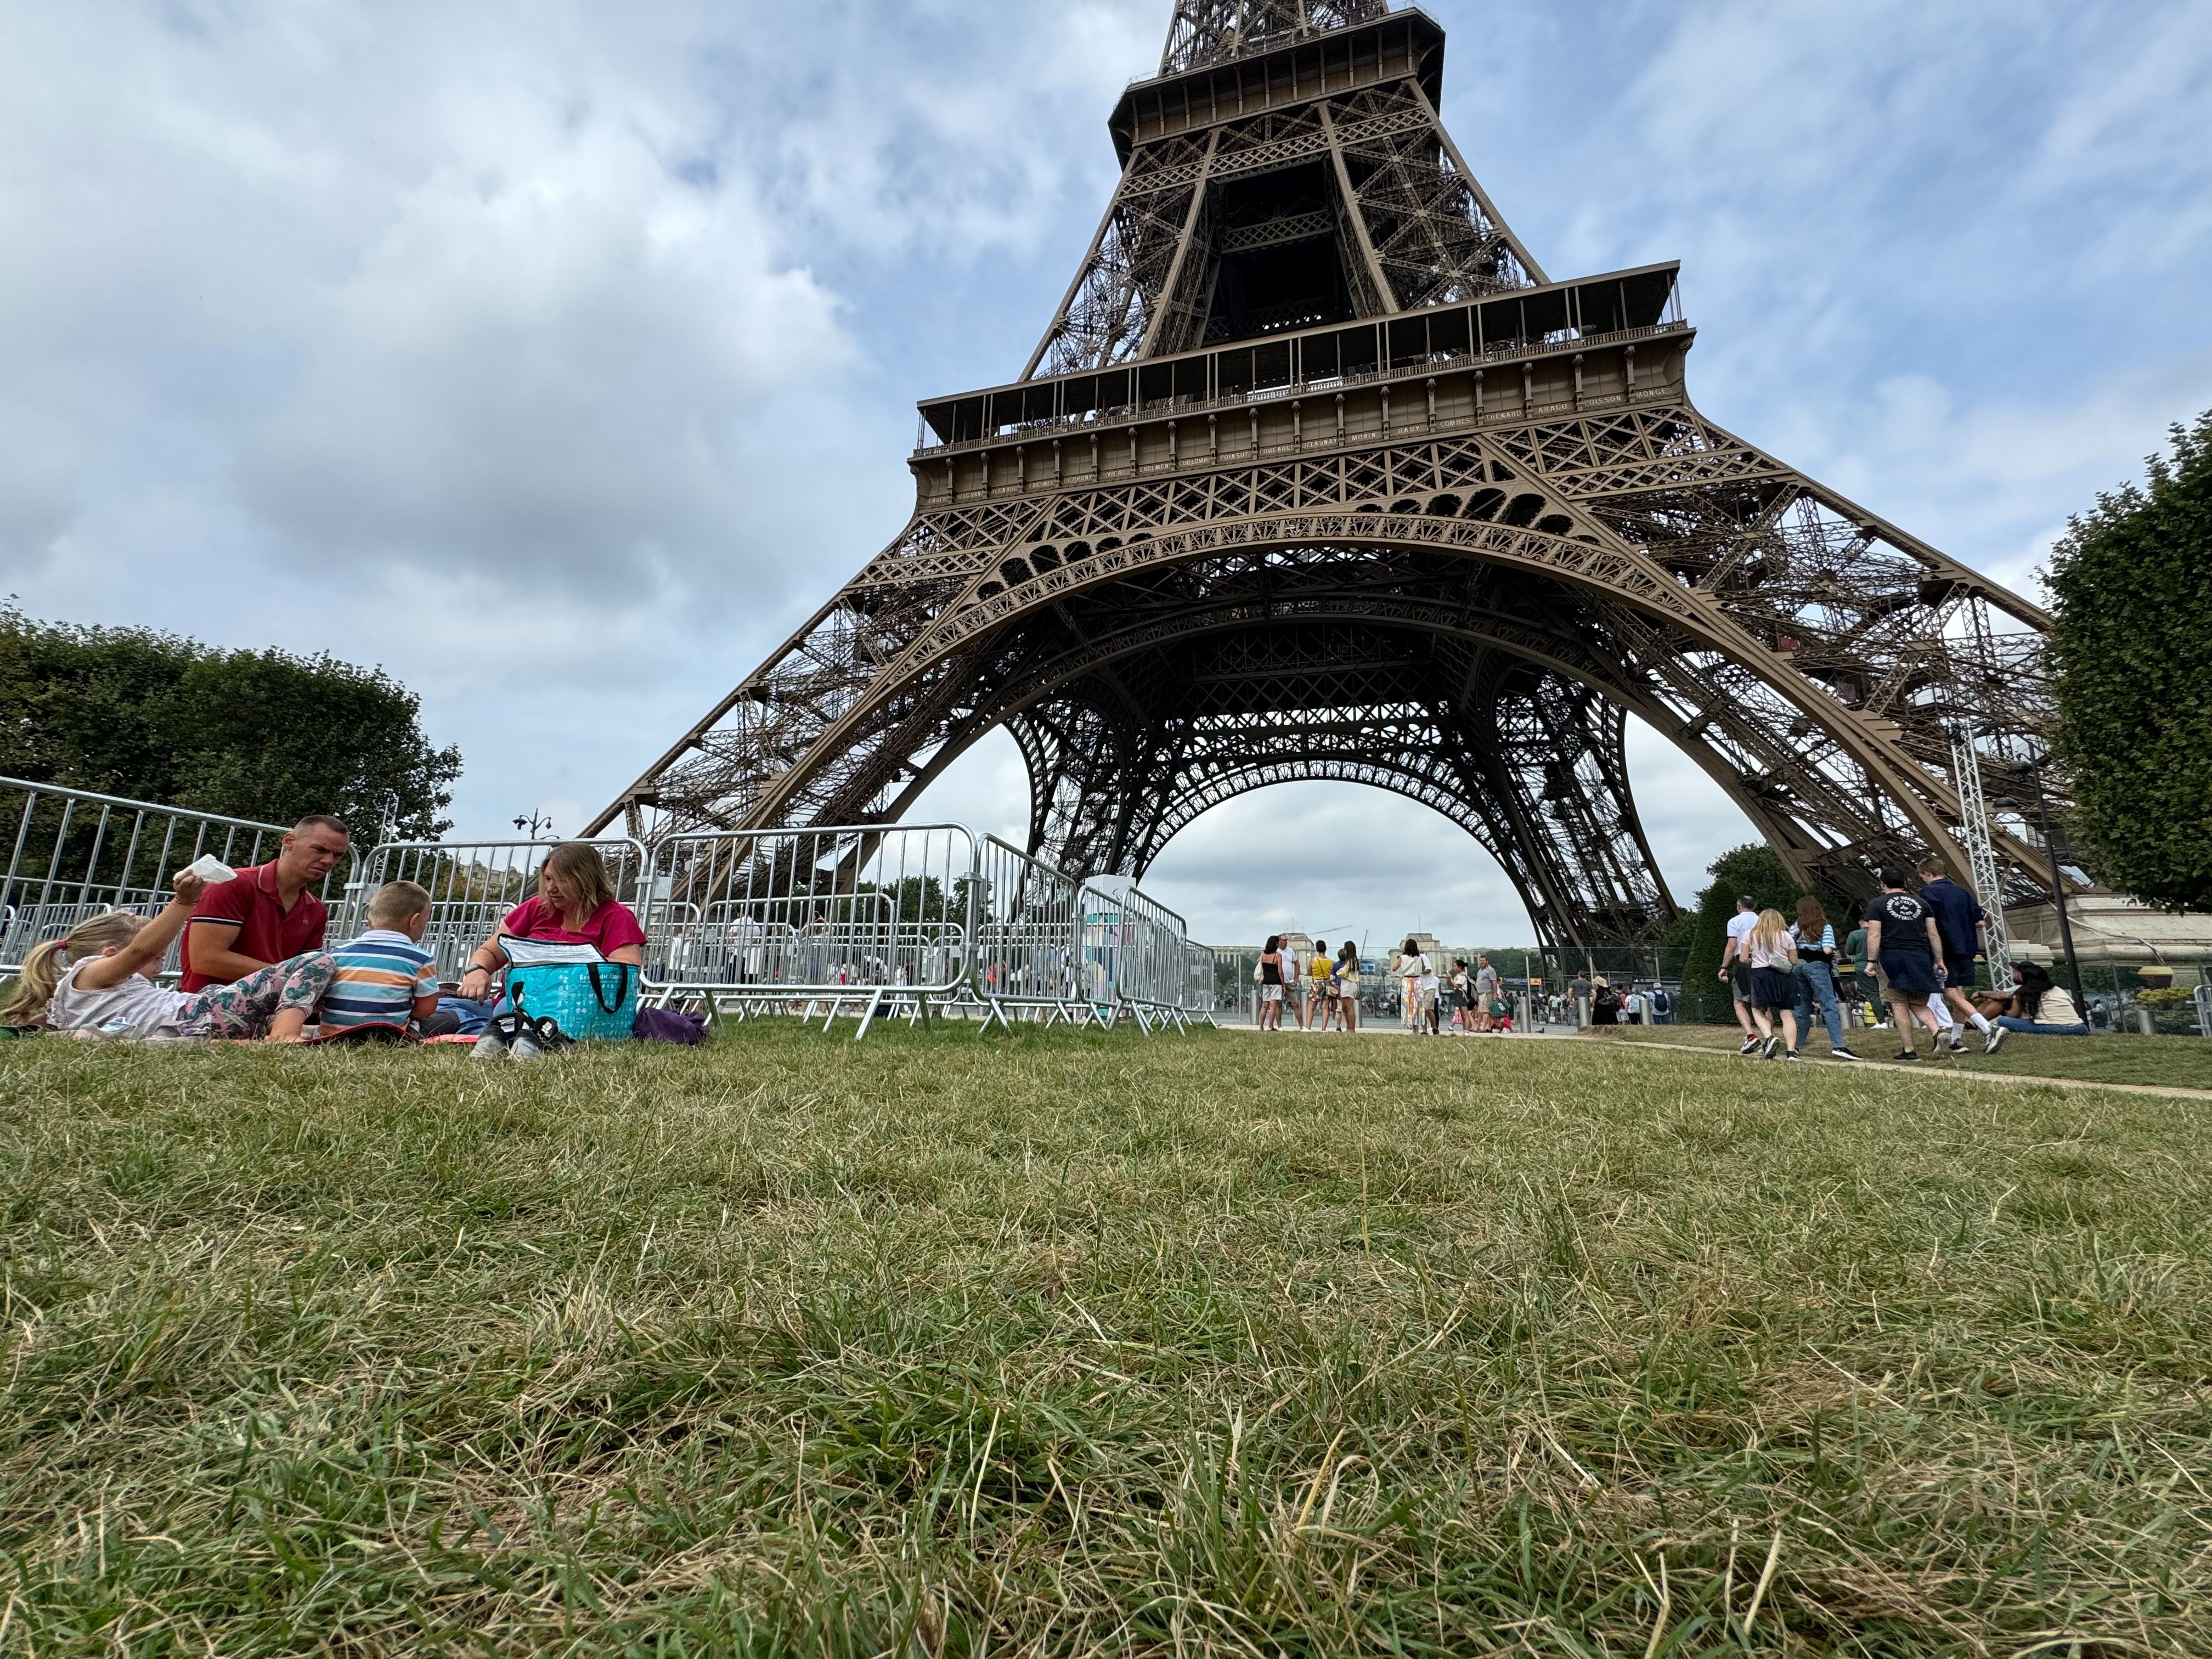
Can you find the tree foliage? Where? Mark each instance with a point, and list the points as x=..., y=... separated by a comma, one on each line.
x=253, y=734
x=2132, y=654
x=1753, y=870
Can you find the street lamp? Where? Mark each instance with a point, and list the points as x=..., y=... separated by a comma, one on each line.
x=536, y=824
x=2032, y=771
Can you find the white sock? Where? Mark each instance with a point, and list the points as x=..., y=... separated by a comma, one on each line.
x=1981, y=1022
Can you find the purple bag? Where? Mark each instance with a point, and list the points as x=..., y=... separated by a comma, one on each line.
x=667, y=1026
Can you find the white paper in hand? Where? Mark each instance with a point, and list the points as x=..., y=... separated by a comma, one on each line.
x=211, y=869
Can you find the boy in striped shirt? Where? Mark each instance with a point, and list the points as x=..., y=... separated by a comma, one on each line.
x=384, y=977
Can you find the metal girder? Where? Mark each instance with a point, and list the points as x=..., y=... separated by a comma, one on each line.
x=1453, y=575
x=1213, y=31
x=1410, y=226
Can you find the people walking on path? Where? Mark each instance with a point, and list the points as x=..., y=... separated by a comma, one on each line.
x=1771, y=954
x=1420, y=979
x=1816, y=974
x=1459, y=997
x=1964, y=925
x=1604, y=1003
x=1486, y=992
x=1736, y=968
x=1409, y=967
x=1902, y=940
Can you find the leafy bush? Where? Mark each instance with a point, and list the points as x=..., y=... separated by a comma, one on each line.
x=1753, y=870
x=253, y=734
x=2131, y=652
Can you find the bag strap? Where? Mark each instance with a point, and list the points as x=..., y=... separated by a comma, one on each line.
x=621, y=988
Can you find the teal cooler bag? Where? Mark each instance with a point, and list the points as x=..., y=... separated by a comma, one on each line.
x=589, y=998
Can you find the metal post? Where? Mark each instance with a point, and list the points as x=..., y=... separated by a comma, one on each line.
x=2035, y=771
x=1981, y=856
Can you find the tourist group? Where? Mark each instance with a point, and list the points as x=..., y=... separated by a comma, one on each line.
x=1322, y=991
x=1919, y=949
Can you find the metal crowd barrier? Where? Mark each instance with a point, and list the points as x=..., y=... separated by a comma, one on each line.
x=473, y=885
x=870, y=919
x=1135, y=957
x=75, y=855
x=1029, y=952
x=1198, y=997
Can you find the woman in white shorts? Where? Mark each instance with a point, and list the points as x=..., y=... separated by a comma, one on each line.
x=1347, y=984
x=1268, y=973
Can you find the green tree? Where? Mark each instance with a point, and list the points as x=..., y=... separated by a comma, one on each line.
x=1753, y=871
x=253, y=734
x=2131, y=655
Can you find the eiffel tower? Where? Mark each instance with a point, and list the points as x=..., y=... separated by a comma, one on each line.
x=1316, y=474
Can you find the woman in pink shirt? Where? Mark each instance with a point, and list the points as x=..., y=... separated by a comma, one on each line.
x=575, y=905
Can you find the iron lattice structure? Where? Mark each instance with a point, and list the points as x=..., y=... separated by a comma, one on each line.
x=1316, y=474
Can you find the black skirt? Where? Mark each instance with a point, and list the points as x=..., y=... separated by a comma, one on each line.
x=1912, y=972
x=1773, y=988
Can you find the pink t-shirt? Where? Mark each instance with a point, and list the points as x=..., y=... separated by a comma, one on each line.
x=612, y=926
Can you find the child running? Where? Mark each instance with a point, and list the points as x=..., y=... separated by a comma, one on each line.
x=99, y=981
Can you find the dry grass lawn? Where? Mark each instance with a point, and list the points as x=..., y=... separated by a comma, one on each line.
x=1087, y=1343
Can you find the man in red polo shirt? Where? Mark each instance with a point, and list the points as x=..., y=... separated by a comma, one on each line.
x=267, y=914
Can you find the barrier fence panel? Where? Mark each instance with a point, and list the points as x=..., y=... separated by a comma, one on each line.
x=860, y=917
x=864, y=919
x=74, y=855
x=1198, y=992
x=1134, y=954
x=1027, y=920
x=472, y=887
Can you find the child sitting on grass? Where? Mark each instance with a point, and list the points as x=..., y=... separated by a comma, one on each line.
x=384, y=978
x=99, y=981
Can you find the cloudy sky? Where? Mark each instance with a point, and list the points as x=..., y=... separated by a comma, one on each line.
x=561, y=357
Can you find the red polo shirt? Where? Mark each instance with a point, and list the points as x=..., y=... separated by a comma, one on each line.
x=266, y=931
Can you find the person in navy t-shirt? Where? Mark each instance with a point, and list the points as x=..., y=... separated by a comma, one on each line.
x=1903, y=939
x=1960, y=919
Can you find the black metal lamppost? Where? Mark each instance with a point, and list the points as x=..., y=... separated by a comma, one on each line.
x=2032, y=771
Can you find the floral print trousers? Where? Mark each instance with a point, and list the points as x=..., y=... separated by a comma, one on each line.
x=244, y=1010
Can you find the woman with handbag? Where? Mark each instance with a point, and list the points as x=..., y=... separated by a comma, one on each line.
x=575, y=904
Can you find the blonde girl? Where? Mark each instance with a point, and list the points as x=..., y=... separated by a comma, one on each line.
x=1773, y=957
x=99, y=979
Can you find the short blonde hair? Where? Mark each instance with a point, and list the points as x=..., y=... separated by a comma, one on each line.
x=396, y=901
